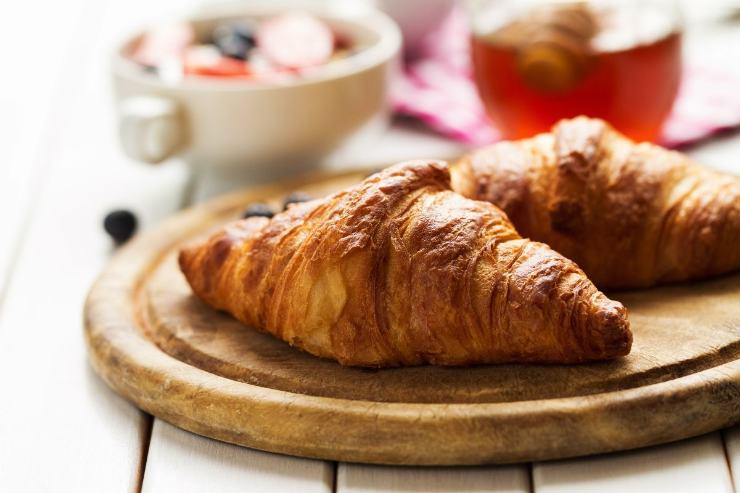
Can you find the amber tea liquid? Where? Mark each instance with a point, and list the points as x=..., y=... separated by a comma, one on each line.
x=633, y=88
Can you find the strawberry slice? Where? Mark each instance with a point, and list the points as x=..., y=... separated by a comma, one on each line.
x=163, y=43
x=295, y=40
x=207, y=61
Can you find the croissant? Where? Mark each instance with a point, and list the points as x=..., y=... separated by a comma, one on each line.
x=400, y=270
x=630, y=215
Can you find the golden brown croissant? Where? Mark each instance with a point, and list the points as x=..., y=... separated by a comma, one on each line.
x=630, y=215
x=400, y=270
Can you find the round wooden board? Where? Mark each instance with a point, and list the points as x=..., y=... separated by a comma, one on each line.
x=159, y=346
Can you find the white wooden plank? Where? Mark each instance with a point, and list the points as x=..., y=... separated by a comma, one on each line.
x=15, y=181
x=692, y=466
x=732, y=449
x=61, y=429
x=354, y=478
x=29, y=86
x=62, y=418
x=44, y=46
x=184, y=462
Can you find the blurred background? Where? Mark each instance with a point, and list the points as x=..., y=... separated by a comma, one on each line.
x=93, y=92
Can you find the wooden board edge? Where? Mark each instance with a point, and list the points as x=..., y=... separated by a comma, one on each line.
x=361, y=431
x=399, y=433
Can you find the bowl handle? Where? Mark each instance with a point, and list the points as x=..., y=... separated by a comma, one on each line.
x=150, y=128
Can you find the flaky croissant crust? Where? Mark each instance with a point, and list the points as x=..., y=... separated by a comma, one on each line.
x=630, y=215
x=400, y=270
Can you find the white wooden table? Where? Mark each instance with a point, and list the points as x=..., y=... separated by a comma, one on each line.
x=61, y=428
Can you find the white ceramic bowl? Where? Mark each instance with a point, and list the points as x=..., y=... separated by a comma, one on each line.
x=221, y=122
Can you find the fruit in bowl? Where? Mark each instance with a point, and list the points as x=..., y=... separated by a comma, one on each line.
x=274, y=49
x=252, y=87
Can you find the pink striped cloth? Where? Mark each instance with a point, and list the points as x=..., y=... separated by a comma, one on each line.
x=438, y=89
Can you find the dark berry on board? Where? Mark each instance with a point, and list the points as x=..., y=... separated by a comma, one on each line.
x=258, y=210
x=296, y=198
x=120, y=225
x=233, y=40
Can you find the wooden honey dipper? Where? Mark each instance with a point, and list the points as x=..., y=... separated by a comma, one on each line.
x=553, y=45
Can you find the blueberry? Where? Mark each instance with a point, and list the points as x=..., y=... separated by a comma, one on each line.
x=296, y=198
x=120, y=225
x=258, y=210
x=245, y=31
x=233, y=40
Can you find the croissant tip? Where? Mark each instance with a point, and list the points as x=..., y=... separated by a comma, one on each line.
x=613, y=327
x=185, y=259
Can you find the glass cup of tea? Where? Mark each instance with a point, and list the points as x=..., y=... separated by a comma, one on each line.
x=536, y=62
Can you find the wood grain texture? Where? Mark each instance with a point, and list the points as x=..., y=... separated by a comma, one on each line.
x=691, y=466
x=355, y=478
x=655, y=398
x=184, y=327
x=185, y=462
